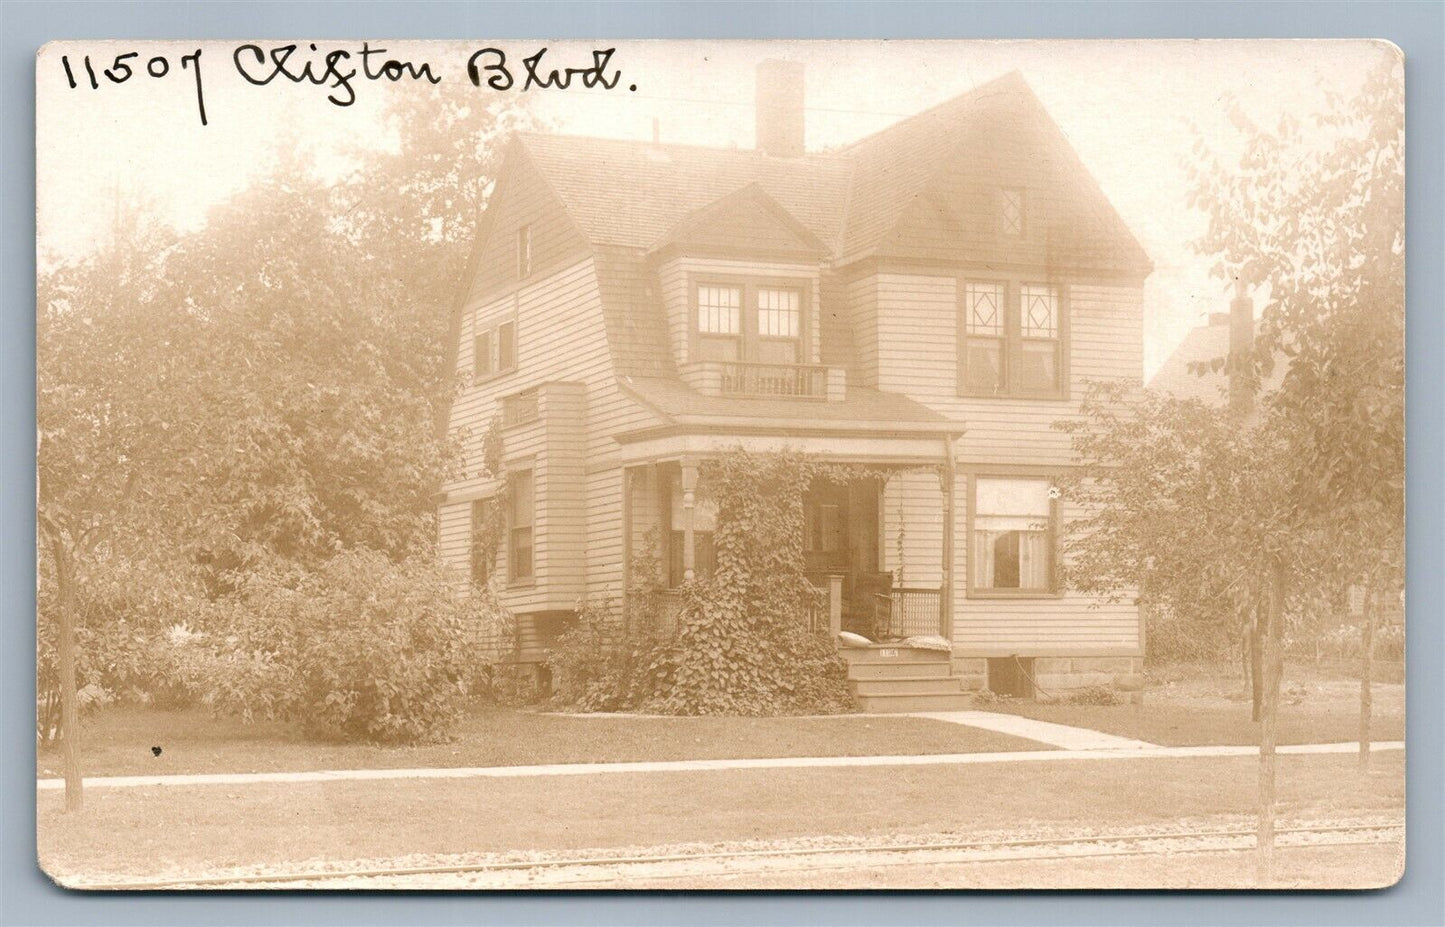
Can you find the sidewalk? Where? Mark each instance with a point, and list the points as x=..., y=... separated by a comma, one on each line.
x=1063, y=736
x=589, y=769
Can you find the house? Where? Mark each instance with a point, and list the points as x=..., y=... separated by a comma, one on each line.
x=928, y=300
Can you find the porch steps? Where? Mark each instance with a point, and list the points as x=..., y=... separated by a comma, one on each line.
x=897, y=679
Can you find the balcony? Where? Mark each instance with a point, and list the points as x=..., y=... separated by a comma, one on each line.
x=766, y=381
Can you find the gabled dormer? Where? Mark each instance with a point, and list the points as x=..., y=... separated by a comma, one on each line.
x=740, y=282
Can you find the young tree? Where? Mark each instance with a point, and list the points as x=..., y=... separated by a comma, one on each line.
x=1317, y=228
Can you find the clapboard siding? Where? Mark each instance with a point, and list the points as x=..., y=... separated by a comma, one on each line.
x=562, y=348
x=523, y=197
x=914, y=346
x=1052, y=625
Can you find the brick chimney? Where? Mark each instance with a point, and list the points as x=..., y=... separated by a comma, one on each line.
x=1241, y=349
x=780, y=108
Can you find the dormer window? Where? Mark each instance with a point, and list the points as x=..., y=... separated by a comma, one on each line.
x=1011, y=212
x=524, y=252
x=759, y=322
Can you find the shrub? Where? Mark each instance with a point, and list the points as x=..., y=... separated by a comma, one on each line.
x=1090, y=695
x=364, y=649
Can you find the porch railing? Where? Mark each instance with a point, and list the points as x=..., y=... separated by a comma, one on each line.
x=916, y=612
x=805, y=381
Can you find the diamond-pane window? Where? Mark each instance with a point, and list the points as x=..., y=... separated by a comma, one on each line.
x=1011, y=212
x=983, y=307
x=1039, y=316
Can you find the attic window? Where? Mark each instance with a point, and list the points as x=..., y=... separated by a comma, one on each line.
x=1011, y=212
x=524, y=252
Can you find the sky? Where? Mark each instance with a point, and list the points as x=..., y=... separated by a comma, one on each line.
x=1130, y=109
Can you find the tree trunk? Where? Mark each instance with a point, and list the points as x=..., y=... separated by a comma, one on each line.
x=1256, y=657
x=65, y=659
x=1271, y=661
x=1367, y=660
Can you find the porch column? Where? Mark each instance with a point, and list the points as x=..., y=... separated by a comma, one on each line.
x=835, y=604
x=945, y=594
x=689, y=501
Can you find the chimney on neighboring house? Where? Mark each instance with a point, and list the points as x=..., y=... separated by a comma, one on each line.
x=780, y=108
x=1241, y=347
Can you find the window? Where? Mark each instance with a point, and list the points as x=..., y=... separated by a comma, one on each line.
x=1011, y=212
x=494, y=349
x=1039, y=341
x=719, y=322
x=779, y=322
x=519, y=521
x=519, y=408
x=1011, y=539
x=1012, y=339
x=484, y=540
x=524, y=252
x=983, y=323
x=750, y=321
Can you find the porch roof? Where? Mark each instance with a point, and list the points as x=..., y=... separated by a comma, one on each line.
x=863, y=410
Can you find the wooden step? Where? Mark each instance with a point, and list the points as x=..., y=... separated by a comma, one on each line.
x=884, y=654
x=895, y=670
x=907, y=685
x=954, y=701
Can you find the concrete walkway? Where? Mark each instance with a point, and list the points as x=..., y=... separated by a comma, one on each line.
x=800, y=762
x=1062, y=736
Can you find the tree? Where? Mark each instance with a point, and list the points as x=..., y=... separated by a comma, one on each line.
x=1318, y=229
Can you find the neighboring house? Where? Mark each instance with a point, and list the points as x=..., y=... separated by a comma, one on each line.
x=928, y=300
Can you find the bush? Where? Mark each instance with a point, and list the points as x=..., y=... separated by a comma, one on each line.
x=362, y=650
x=1090, y=695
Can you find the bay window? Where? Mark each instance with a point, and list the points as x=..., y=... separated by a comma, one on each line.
x=1011, y=539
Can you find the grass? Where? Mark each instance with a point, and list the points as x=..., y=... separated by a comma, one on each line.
x=1194, y=706
x=186, y=830
x=118, y=742
x=1181, y=725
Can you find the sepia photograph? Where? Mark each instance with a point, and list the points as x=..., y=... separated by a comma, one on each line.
x=733, y=465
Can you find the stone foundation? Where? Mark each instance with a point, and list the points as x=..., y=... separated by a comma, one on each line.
x=1055, y=677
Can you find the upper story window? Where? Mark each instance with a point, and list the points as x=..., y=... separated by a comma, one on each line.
x=494, y=349
x=524, y=252
x=1011, y=212
x=1012, y=339
x=759, y=322
x=1011, y=536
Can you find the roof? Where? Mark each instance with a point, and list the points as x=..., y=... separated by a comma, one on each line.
x=1203, y=345
x=866, y=408
x=635, y=193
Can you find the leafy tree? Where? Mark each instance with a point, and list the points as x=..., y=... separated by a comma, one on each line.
x=1318, y=230
x=1194, y=505
x=261, y=393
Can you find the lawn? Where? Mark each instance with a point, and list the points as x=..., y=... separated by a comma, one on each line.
x=1204, y=705
x=188, y=830
x=118, y=742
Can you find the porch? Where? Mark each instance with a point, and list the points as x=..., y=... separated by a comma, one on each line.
x=669, y=528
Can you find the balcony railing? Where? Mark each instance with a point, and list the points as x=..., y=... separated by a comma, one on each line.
x=804, y=381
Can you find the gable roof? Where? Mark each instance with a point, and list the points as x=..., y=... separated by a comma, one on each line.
x=634, y=193
x=748, y=219
x=1202, y=346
